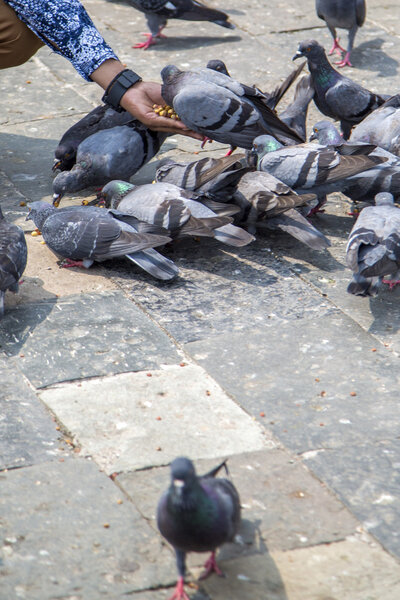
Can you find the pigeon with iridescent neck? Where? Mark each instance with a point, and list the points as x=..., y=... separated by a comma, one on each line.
x=336, y=96
x=13, y=256
x=157, y=13
x=345, y=14
x=381, y=127
x=197, y=514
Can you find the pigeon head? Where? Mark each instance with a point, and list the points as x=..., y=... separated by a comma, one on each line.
x=70, y=181
x=219, y=66
x=384, y=198
x=38, y=212
x=183, y=481
x=65, y=156
x=263, y=144
x=326, y=134
x=113, y=192
x=169, y=73
x=310, y=49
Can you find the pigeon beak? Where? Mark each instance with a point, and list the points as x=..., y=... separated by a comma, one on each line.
x=312, y=137
x=297, y=55
x=28, y=216
x=56, y=200
x=178, y=485
x=56, y=164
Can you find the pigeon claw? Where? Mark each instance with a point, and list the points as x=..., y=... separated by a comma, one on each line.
x=345, y=62
x=179, y=593
x=145, y=45
x=68, y=263
x=391, y=283
x=205, y=140
x=336, y=47
x=211, y=567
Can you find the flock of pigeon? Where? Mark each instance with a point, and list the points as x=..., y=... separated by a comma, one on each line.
x=279, y=182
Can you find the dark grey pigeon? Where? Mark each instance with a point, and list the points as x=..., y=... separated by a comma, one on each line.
x=264, y=200
x=13, y=256
x=158, y=12
x=364, y=186
x=295, y=115
x=116, y=153
x=221, y=108
x=310, y=167
x=197, y=514
x=271, y=99
x=381, y=127
x=166, y=206
x=336, y=96
x=373, y=249
x=85, y=234
x=101, y=117
x=345, y=14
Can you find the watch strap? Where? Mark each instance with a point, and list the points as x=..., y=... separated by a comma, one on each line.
x=118, y=86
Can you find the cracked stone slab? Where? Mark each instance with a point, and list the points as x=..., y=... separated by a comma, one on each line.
x=366, y=477
x=283, y=505
x=68, y=532
x=354, y=569
x=85, y=335
x=27, y=431
x=311, y=378
x=132, y=421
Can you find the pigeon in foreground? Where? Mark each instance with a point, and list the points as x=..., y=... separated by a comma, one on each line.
x=271, y=99
x=116, y=153
x=364, y=186
x=157, y=13
x=264, y=200
x=101, y=117
x=197, y=514
x=381, y=127
x=221, y=108
x=309, y=167
x=336, y=96
x=13, y=256
x=373, y=249
x=166, y=206
x=84, y=234
x=295, y=115
x=345, y=14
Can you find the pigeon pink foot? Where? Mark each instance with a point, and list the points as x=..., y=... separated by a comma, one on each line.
x=150, y=42
x=345, y=62
x=391, y=283
x=336, y=47
x=179, y=593
x=211, y=566
x=205, y=140
x=67, y=263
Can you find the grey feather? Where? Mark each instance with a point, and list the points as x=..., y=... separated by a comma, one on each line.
x=13, y=257
x=381, y=127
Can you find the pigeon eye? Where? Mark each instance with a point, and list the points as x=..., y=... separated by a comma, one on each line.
x=308, y=48
x=316, y=130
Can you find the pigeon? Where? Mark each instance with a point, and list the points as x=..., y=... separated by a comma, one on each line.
x=101, y=117
x=264, y=200
x=295, y=115
x=384, y=177
x=345, y=14
x=13, y=257
x=373, y=249
x=157, y=13
x=221, y=108
x=309, y=167
x=381, y=127
x=271, y=99
x=336, y=96
x=166, y=206
x=116, y=153
x=84, y=234
x=197, y=514
x=214, y=177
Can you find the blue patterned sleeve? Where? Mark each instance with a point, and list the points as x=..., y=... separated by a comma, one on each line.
x=67, y=29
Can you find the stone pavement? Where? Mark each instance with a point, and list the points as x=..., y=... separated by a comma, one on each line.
x=258, y=355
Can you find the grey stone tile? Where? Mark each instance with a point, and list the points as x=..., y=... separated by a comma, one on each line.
x=68, y=532
x=27, y=431
x=80, y=336
x=137, y=420
x=367, y=479
x=318, y=381
x=284, y=506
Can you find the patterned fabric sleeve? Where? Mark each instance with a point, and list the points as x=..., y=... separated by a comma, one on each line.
x=67, y=29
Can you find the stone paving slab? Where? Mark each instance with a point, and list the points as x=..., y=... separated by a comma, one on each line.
x=80, y=336
x=68, y=532
x=367, y=478
x=137, y=420
x=332, y=388
x=27, y=431
x=283, y=506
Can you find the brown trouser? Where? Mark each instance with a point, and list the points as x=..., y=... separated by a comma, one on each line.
x=17, y=42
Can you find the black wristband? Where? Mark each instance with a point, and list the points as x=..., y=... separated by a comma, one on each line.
x=118, y=86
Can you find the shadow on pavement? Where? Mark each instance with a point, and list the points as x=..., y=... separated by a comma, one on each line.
x=368, y=56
